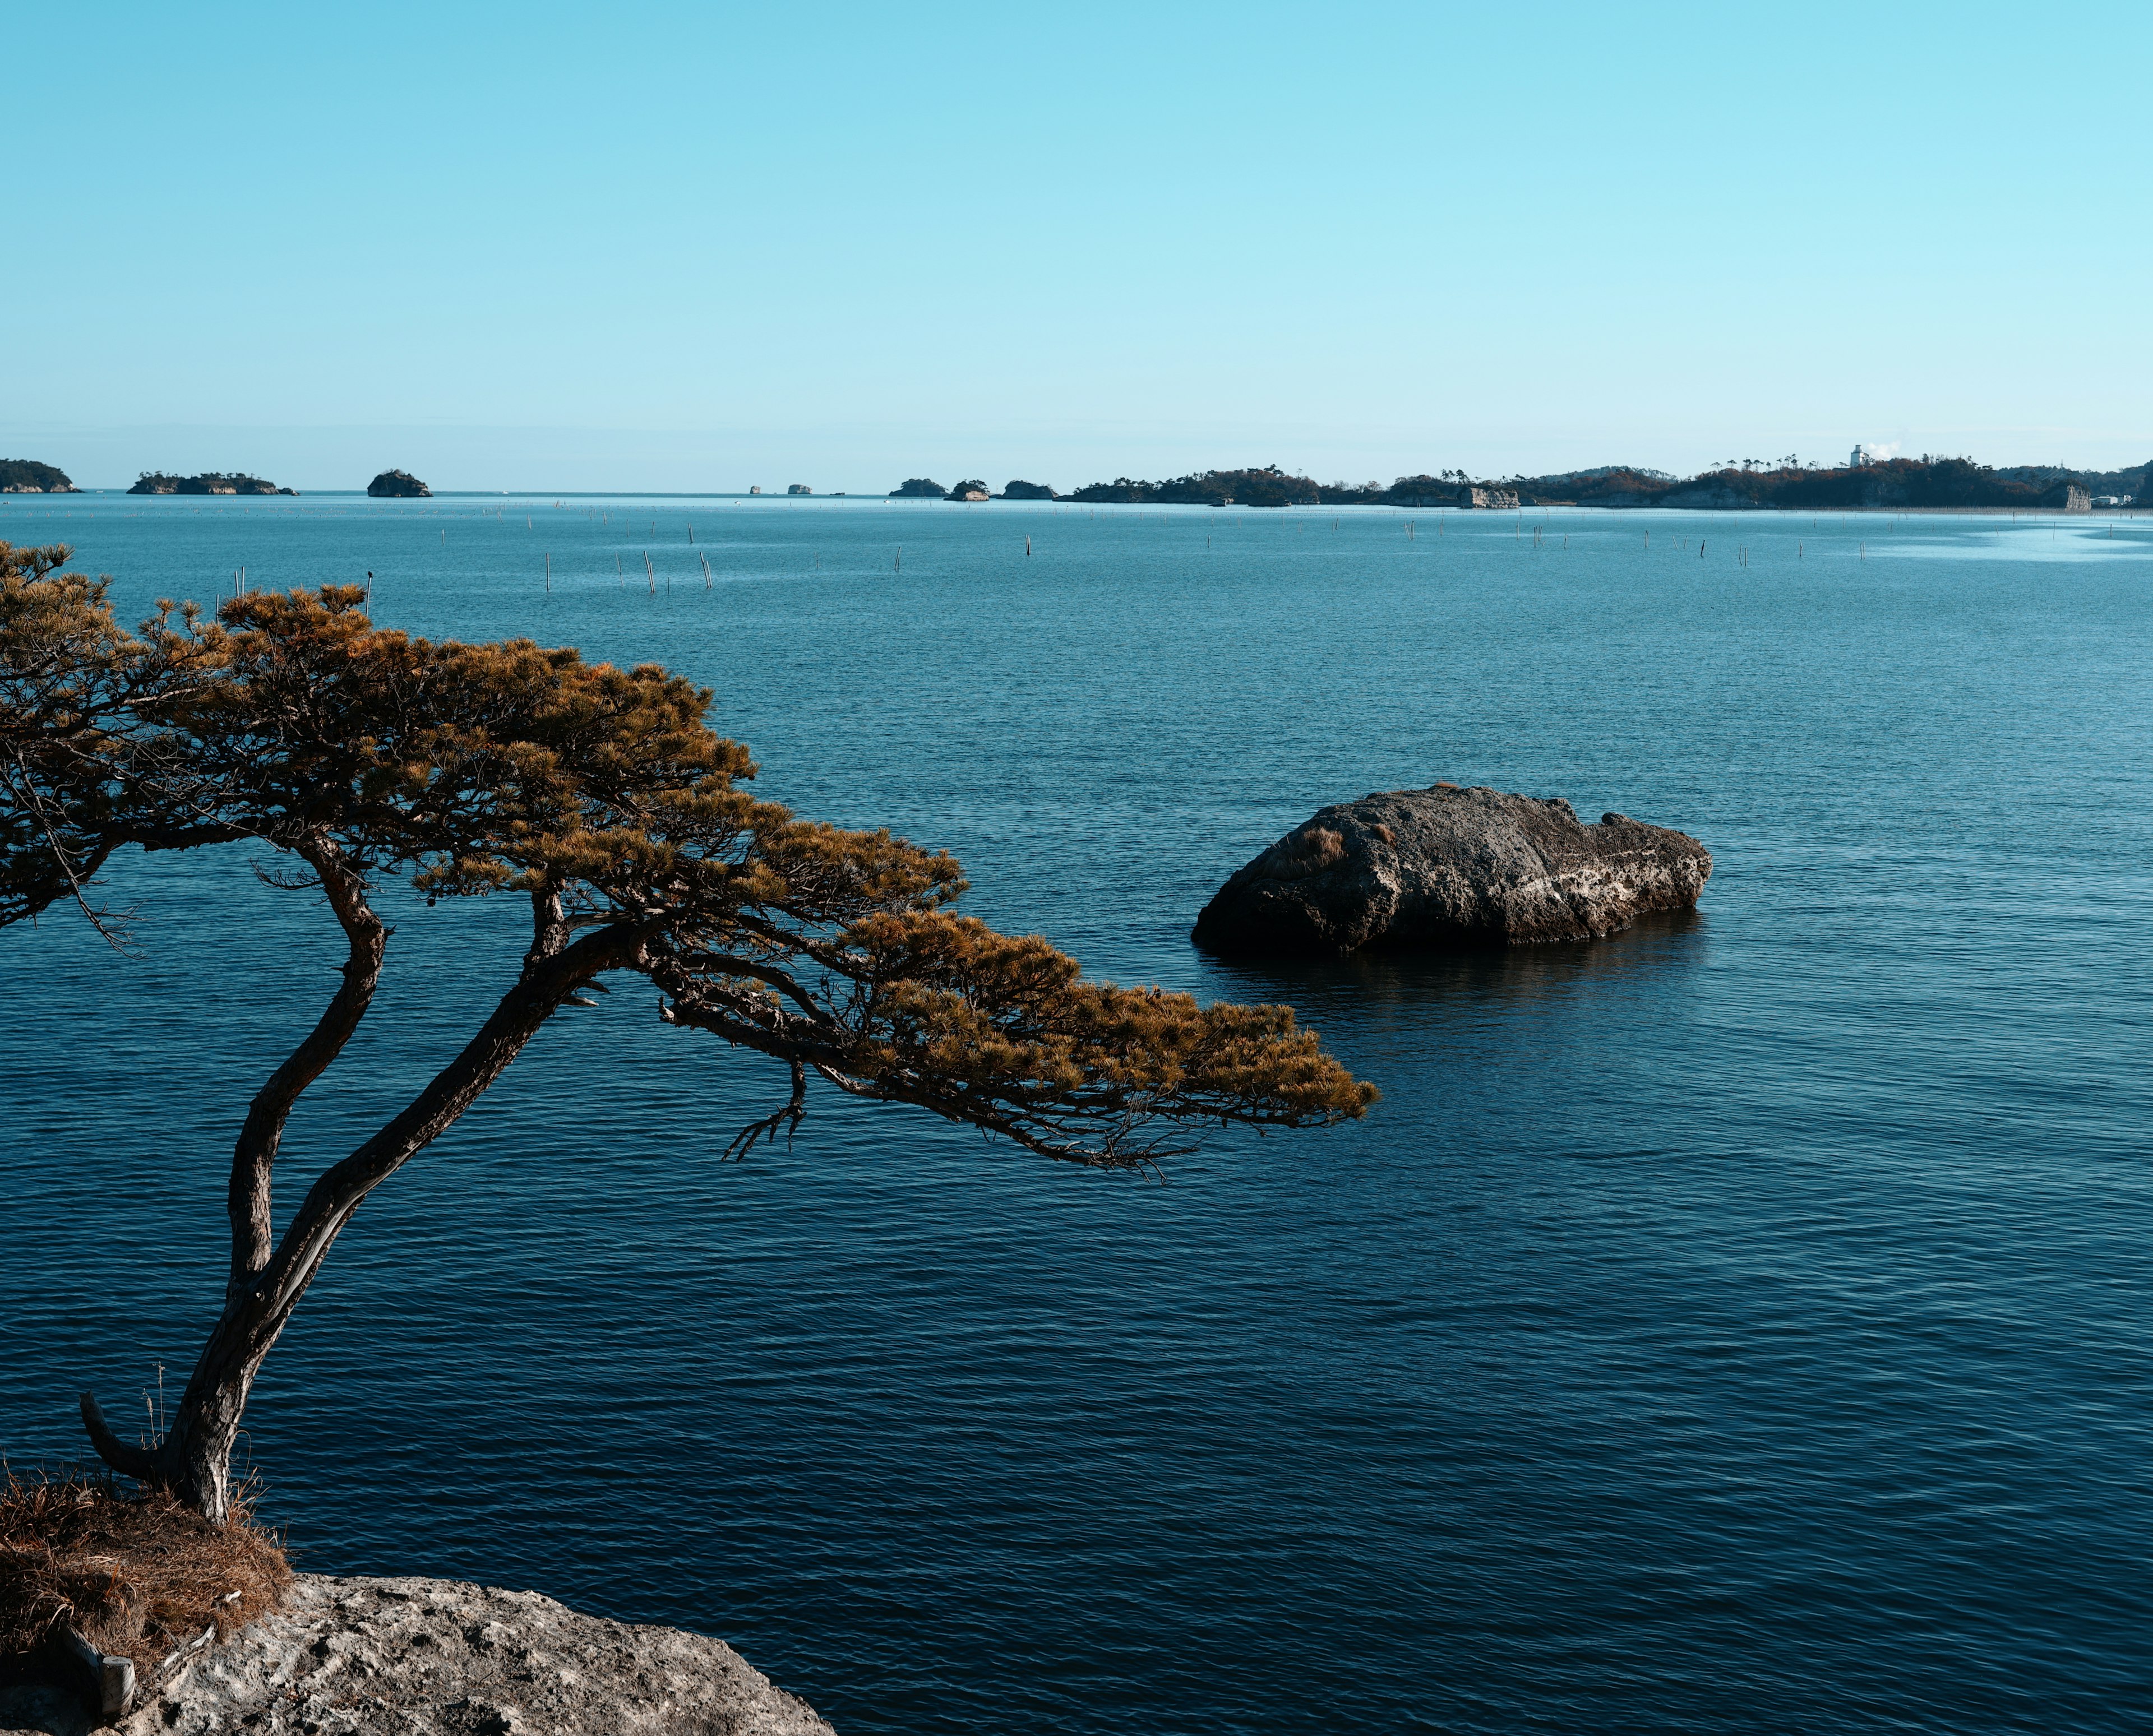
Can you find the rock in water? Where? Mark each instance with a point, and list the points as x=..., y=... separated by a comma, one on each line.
x=357, y=1656
x=400, y=485
x=1451, y=867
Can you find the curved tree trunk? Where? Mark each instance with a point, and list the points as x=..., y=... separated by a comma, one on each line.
x=194, y=1458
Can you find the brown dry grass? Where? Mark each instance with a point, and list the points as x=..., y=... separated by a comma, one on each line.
x=137, y=1575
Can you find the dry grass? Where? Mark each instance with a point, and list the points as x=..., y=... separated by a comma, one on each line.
x=136, y=1576
x=1301, y=854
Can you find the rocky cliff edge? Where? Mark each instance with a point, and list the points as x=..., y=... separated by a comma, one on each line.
x=434, y=1657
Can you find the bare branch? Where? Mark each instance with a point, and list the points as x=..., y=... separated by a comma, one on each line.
x=788, y=1119
x=110, y=926
x=128, y=1461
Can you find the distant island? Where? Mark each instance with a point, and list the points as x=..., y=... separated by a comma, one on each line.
x=920, y=488
x=209, y=482
x=27, y=476
x=399, y=485
x=1863, y=483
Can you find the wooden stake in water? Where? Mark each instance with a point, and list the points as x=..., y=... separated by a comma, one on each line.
x=705, y=560
x=1027, y=547
x=650, y=571
x=549, y=576
x=900, y=566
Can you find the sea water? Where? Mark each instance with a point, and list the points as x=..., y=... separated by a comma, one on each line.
x=1738, y=1325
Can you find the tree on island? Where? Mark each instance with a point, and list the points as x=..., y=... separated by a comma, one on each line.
x=602, y=798
x=1261, y=486
x=27, y=476
x=209, y=482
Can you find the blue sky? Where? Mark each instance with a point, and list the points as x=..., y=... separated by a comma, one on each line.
x=700, y=247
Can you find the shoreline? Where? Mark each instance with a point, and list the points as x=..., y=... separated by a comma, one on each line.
x=2098, y=513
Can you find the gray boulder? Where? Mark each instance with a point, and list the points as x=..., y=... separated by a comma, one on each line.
x=434, y=1657
x=1451, y=867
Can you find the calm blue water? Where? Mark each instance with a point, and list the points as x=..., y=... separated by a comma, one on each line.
x=1740, y=1326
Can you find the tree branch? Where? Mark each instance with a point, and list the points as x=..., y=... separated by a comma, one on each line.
x=128, y=1461
x=786, y=1119
x=247, y=1199
x=110, y=930
x=539, y=992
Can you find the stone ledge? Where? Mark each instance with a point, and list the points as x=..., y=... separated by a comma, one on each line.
x=437, y=1658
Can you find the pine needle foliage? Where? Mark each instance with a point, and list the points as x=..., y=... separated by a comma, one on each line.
x=602, y=798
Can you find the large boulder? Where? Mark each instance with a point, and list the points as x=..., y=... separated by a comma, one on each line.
x=1451, y=867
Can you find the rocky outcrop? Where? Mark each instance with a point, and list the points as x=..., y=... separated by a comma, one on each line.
x=27, y=476
x=430, y=1658
x=209, y=482
x=399, y=485
x=1451, y=867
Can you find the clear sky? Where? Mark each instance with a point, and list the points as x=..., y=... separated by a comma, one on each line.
x=699, y=246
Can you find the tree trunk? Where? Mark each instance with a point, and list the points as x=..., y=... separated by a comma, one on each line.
x=194, y=1459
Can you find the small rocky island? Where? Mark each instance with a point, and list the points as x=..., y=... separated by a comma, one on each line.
x=399, y=485
x=27, y=476
x=1448, y=866
x=209, y=482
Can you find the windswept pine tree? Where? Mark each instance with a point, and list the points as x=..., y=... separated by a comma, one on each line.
x=602, y=799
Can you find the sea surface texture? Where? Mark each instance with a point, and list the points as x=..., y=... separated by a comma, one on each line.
x=1741, y=1325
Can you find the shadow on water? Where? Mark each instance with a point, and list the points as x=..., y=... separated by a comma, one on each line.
x=1485, y=978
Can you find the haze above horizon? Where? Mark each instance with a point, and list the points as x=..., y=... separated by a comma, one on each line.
x=699, y=248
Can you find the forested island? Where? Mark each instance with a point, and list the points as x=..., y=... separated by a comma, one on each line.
x=922, y=488
x=209, y=482
x=1784, y=485
x=27, y=476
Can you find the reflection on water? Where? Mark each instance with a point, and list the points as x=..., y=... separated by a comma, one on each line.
x=1435, y=982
